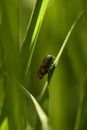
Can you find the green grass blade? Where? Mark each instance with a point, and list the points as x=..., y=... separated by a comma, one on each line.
x=82, y=105
x=4, y=110
x=60, y=53
x=4, y=125
x=32, y=34
x=67, y=37
x=41, y=114
x=9, y=38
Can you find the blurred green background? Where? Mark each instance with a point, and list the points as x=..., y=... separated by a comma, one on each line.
x=68, y=78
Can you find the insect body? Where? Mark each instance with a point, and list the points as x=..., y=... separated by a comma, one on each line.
x=45, y=66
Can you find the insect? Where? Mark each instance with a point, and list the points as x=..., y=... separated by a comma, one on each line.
x=45, y=66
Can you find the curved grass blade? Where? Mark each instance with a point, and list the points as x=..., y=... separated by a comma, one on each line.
x=4, y=125
x=60, y=53
x=82, y=105
x=41, y=114
x=9, y=38
x=4, y=110
x=32, y=34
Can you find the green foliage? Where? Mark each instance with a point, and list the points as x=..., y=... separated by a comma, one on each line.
x=32, y=34
x=25, y=104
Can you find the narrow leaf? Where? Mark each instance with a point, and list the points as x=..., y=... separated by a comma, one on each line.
x=82, y=105
x=56, y=61
x=32, y=34
x=41, y=114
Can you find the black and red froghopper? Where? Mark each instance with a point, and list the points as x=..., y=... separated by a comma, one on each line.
x=45, y=66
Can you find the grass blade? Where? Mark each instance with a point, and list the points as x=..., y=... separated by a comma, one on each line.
x=32, y=34
x=41, y=114
x=10, y=38
x=67, y=37
x=60, y=53
x=81, y=106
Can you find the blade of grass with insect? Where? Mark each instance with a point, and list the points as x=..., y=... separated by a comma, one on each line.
x=32, y=32
x=31, y=35
x=56, y=61
x=41, y=114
